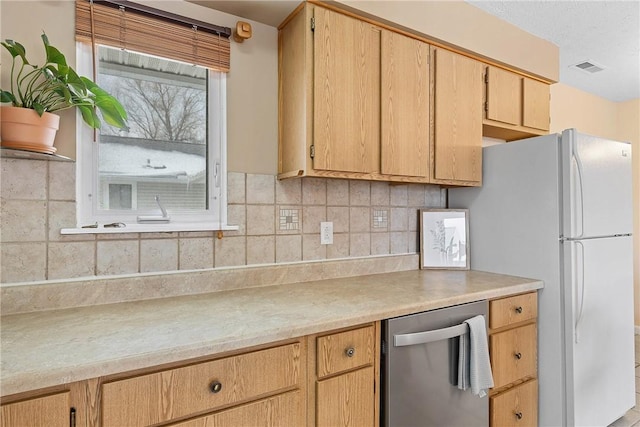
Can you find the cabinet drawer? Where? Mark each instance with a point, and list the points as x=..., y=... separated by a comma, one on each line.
x=345, y=350
x=281, y=410
x=507, y=311
x=48, y=411
x=166, y=395
x=516, y=407
x=513, y=354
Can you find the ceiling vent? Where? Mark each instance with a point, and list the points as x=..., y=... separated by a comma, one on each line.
x=589, y=67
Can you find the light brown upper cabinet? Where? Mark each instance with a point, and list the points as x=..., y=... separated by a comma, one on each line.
x=405, y=106
x=353, y=99
x=516, y=107
x=457, y=142
x=346, y=102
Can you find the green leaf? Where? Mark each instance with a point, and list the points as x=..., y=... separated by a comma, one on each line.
x=16, y=49
x=39, y=108
x=89, y=116
x=55, y=56
x=7, y=97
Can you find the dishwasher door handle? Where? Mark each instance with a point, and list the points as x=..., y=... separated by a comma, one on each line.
x=430, y=336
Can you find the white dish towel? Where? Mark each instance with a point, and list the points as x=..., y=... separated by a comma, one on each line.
x=474, y=366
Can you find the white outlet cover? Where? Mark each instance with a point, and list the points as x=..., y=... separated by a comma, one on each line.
x=326, y=233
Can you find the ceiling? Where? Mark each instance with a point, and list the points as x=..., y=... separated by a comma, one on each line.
x=604, y=33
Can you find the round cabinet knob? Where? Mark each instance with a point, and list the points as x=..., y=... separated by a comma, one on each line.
x=518, y=356
x=215, y=386
x=519, y=309
x=518, y=415
x=350, y=351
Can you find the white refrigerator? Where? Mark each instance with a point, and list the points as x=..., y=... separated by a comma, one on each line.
x=559, y=208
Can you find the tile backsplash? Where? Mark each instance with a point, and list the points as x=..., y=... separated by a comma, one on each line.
x=279, y=222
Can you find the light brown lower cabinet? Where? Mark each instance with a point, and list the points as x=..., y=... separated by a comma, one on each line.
x=346, y=400
x=513, y=342
x=50, y=411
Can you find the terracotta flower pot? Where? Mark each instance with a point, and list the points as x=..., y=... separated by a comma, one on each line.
x=23, y=128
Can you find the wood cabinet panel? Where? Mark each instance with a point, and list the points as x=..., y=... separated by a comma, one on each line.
x=404, y=106
x=458, y=117
x=504, y=94
x=536, y=104
x=516, y=407
x=513, y=354
x=346, y=93
x=515, y=309
x=174, y=393
x=346, y=400
x=283, y=410
x=334, y=351
x=47, y=411
x=294, y=135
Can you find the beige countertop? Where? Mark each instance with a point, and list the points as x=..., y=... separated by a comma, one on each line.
x=49, y=348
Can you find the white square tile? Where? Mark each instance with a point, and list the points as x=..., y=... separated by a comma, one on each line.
x=260, y=220
x=312, y=216
x=158, y=255
x=312, y=249
x=379, y=243
x=23, y=179
x=261, y=189
x=379, y=193
x=230, y=251
x=23, y=262
x=288, y=248
x=260, y=250
x=62, y=181
x=195, y=253
x=337, y=192
x=314, y=191
x=23, y=220
x=339, y=215
x=289, y=191
x=117, y=257
x=360, y=244
x=359, y=193
x=359, y=219
x=399, y=195
x=71, y=259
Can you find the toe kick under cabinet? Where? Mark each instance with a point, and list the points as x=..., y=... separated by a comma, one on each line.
x=513, y=347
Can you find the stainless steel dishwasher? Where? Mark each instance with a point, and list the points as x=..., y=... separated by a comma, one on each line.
x=420, y=370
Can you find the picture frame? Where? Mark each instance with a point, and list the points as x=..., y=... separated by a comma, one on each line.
x=444, y=239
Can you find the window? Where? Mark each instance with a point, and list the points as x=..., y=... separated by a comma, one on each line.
x=168, y=168
x=171, y=154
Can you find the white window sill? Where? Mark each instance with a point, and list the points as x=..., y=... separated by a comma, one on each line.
x=153, y=228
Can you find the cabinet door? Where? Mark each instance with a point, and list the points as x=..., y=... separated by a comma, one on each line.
x=405, y=105
x=49, y=411
x=346, y=400
x=458, y=117
x=283, y=410
x=504, y=96
x=535, y=104
x=346, y=94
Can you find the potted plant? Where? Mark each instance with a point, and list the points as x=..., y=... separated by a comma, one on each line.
x=37, y=91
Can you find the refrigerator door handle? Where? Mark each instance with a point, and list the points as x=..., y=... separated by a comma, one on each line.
x=580, y=291
x=576, y=157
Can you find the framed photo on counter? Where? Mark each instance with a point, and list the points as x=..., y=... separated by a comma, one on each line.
x=444, y=238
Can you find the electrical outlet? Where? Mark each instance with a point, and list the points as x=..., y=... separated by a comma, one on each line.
x=326, y=233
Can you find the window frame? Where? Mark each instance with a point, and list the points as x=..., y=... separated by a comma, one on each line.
x=213, y=218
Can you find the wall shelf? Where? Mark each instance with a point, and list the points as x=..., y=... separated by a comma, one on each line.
x=11, y=153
